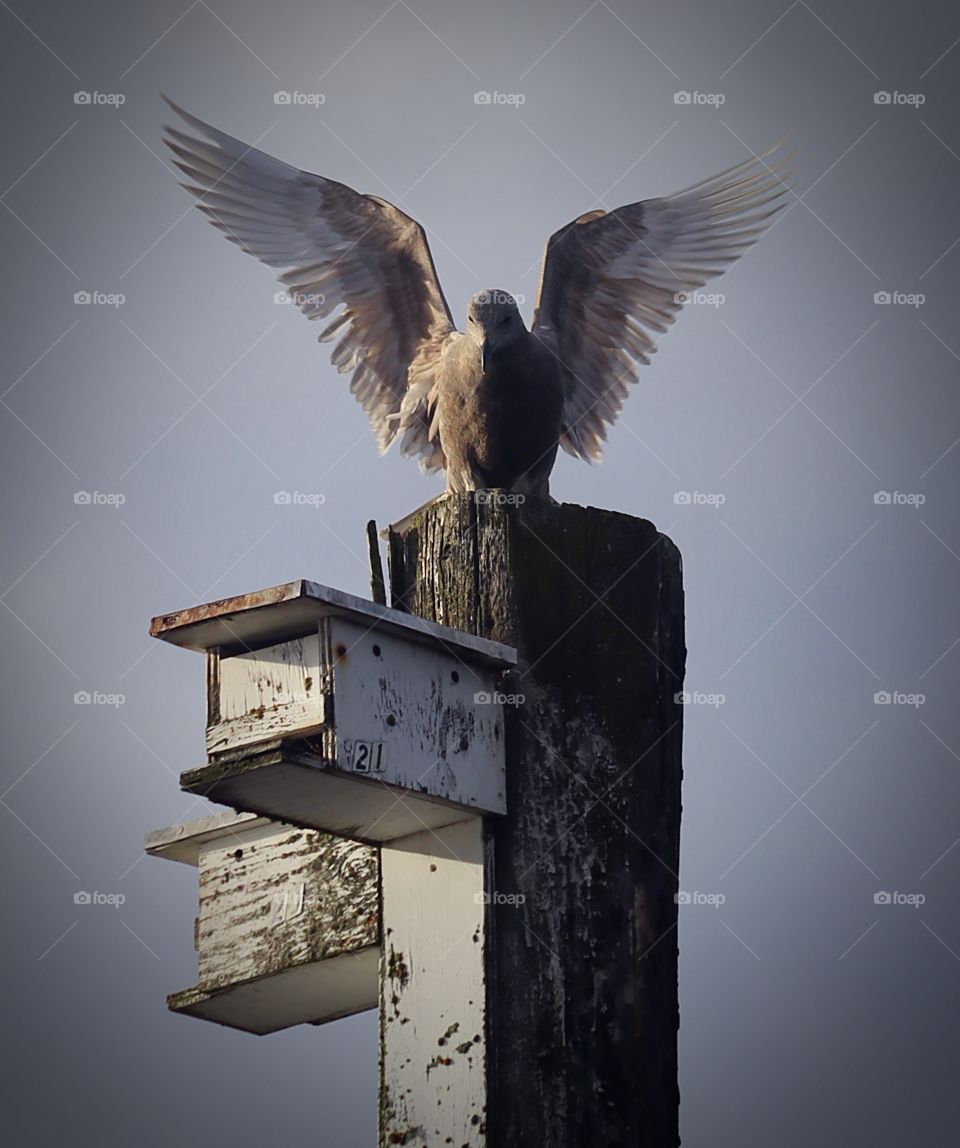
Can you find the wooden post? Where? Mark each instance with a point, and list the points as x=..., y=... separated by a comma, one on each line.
x=577, y=986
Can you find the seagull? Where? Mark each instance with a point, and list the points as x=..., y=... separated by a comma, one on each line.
x=489, y=405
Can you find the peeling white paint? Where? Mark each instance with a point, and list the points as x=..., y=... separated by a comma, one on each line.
x=433, y=999
x=418, y=705
x=268, y=692
x=411, y=735
x=288, y=927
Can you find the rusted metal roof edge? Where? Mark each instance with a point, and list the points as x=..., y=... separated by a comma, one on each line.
x=235, y=621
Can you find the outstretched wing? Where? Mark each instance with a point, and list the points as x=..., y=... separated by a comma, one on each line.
x=612, y=280
x=330, y=246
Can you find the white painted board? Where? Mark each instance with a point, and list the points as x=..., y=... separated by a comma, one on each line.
x=288, y=930
x=432, y=994
x=268, y=692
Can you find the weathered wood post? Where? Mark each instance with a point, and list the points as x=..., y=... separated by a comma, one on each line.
x=572, y=965
x=508, y=736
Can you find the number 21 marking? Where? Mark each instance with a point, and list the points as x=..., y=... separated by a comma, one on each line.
x=368, y=757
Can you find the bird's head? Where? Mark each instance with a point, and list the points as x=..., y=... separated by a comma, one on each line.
x=492, y=321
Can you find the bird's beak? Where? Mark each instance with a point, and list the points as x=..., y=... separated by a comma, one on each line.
x=485, y=349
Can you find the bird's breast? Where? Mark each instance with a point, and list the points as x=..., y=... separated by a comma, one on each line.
x=519, y=391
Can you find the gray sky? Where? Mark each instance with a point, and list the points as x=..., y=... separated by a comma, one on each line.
x=809, y=1014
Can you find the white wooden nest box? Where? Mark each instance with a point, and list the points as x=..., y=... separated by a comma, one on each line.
x=288, y=929
x=340, y=714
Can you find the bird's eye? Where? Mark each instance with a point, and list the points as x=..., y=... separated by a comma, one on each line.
x=505, y=319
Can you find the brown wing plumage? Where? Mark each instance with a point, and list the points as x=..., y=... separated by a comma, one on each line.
x=333, y=246
x=610, y=281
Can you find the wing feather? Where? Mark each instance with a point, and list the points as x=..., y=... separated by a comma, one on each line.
x=610, y=281
x=333, y=247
